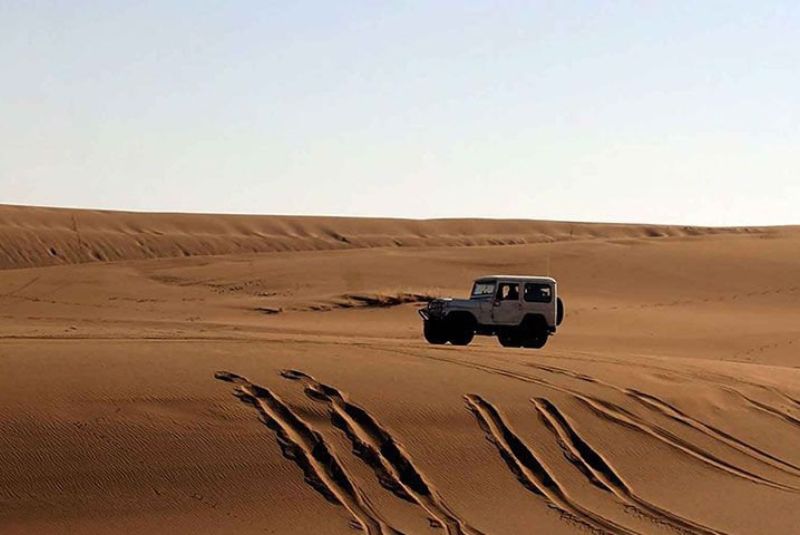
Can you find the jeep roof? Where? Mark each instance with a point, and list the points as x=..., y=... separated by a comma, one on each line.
x=515, y=278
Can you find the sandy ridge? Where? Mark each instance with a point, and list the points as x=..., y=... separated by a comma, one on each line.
x=34, y=236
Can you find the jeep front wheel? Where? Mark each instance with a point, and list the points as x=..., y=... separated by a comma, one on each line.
x=461, y=335
x=435, y=332
x=461, y=329
x=509, y=337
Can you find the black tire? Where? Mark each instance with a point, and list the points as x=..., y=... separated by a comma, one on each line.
x=534, y=332
x=509, y=337
x=559, y=311
x=461, y=337
x=435, y=332
x=461, y=330
x=536, y=341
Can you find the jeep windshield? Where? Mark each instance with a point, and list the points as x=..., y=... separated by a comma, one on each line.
x=483, y=289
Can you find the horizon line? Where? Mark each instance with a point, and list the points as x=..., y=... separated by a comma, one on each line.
x=397, y=218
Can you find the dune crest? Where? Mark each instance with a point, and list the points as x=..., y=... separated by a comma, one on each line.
x=33, y=236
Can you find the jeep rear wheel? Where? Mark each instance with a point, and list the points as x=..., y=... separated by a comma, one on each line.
x=535, y=341
x=435, y=332
x=533, y=332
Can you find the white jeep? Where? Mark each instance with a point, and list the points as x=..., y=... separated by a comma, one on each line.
x=520, y=311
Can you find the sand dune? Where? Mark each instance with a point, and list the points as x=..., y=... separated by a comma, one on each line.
x=33, y=237
x=202, y=373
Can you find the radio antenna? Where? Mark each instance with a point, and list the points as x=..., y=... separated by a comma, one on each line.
x=548, y=261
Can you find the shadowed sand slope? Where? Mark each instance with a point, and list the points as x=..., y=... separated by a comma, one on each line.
x=205, y=383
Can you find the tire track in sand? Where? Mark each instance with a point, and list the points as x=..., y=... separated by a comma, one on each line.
x=531, y=472
x=618, y=415
x=673, y=413
x=376, y=446
x=768, y=409
x=589, y=461
x=308, y=449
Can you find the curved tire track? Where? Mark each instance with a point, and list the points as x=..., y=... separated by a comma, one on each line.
x=673, y=413
x=616, y=414
x=531, y=472
x=619, y=415
x=768, y=409
x=589, y=461
x=375, y=445
x=308, y=449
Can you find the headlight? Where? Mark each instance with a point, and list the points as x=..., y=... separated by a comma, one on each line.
x=435, y=308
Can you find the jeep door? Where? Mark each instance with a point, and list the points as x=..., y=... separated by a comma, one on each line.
x=507, y=307
x=483, y=292
x=538, y=298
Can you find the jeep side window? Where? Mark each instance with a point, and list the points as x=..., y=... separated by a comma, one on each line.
x=508, y=291
x=538, y=293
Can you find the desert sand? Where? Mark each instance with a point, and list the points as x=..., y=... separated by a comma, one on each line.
x=174, y=373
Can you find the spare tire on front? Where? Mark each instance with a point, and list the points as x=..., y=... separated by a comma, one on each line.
x=559, y=311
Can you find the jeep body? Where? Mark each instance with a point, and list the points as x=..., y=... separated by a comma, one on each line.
x=521, y=311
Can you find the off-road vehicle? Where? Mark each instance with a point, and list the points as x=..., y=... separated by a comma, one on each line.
x=520, y=311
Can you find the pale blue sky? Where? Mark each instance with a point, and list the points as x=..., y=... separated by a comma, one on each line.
x=637, y=111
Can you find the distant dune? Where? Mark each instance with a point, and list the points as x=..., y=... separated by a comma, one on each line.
x=171, y=373
x=31, y=237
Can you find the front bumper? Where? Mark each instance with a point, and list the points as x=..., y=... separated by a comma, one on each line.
x=433, y=311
